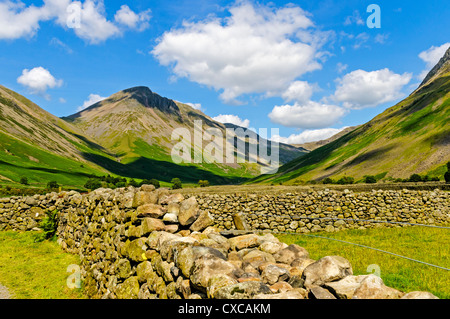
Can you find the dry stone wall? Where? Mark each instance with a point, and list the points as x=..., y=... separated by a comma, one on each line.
x=147, y=243
x=329, y=210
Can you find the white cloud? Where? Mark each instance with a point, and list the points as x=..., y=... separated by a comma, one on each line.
x=92, y=99
x=20, y=21
x=431, y=57
x=233, y=119
x=256, y=49
x=131, y=19
x=196, y=106
x=38, y=80
x=381, y=38
x=355, y=18
x=17, y=20
x=340, y=67
x=360, y=89
x=299, y=91
x=308, y=115
x=58, y=43
x=308, y=136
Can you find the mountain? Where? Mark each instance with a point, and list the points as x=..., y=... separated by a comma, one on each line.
x=37, y=145
x=137, y=124
x=412, y=136
x=311, y=146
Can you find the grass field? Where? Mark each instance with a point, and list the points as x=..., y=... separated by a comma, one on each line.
x=35, y=270
x=429, y=245
x=38, y=270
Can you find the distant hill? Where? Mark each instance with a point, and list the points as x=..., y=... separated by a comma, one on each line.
x=37, y=145
x=311, y=146
x=136, y=124
x=412, y=136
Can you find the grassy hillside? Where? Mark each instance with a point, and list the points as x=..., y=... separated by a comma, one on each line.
x=136, y=124
x=410, y=137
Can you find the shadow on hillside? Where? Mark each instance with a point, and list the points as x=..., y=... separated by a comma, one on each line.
x=370, y=155
x=145, y=168
x=92, y=144
x=439, y=139
x=47, y=170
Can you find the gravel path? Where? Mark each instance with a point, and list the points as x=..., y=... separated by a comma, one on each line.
x=4, y=294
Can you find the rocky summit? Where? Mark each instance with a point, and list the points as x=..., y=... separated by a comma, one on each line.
x=153, y=243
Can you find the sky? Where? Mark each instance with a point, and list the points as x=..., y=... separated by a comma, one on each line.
x=309, y=68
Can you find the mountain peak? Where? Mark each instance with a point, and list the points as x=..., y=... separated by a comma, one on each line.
x=146, y=97
x=441, y=67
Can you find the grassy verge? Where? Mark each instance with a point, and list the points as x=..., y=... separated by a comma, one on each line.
x=421, y=243
x=35, y=270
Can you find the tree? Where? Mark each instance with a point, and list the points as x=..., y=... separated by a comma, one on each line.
x=52, y=185
x=93, y=184
x=176, y=183
x=369, y=179
x=327, y=180
x=203, y=183
x=415, y=178
x=133, y=183
x=447, y=177
x=24, y=181
x=346, y=180
x=152, y=181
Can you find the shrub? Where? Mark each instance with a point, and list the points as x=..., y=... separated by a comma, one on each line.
x=121, y=184
x=93, y=184
x=203, y=183
x=327, y=180
x=152, y=181
x=52, y=185
x=176, y=183
x=369, y=179
x=415, y=178
x=346, y=180
x=133, y=183
x=49, y=226
x=447, y=177
x=24, y=181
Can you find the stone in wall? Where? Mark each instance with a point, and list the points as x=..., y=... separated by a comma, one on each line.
x=131, y=245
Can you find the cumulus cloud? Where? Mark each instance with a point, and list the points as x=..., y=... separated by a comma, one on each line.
x=431, y=57
x=309, y=115
x=92, y=99
x=308, y=136
x=360, y=89
x=138, y=21
x=87, y=19
x=256, y=49
x=38, y=80
x=300, y=91
x=17, y=20
x=233, y=119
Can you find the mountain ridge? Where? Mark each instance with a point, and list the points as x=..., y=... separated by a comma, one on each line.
x=412, y=136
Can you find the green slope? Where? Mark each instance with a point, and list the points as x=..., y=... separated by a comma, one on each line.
x=137, y=124
x=19, y=159
x=410, y=137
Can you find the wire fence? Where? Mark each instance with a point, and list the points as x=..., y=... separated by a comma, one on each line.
x=296, y=217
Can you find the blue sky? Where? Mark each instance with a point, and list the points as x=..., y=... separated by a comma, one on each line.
x=308, y=67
